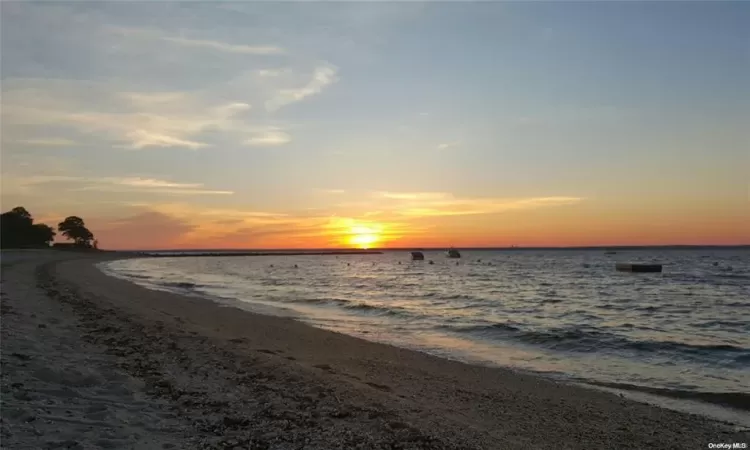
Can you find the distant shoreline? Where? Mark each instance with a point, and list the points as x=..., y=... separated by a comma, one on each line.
x=319, y=251
x=187, y=253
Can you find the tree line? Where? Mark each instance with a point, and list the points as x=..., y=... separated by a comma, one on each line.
x=18, y=230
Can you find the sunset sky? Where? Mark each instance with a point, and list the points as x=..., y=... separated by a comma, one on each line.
x=311, y=125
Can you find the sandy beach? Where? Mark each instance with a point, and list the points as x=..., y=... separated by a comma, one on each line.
x=90, y=361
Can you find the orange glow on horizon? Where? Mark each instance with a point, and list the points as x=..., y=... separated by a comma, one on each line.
x=363, y=237
x=559, y=228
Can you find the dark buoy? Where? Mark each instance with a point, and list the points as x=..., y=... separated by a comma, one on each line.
x=399, y=263
x=716, y=263
x=431, y=262
x=643, y=268
x=456, y=262
x=295, y=266
x=271, y=265
x=586, y=265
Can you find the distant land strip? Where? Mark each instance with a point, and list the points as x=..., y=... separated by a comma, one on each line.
x=376, y=251
x=178, y=254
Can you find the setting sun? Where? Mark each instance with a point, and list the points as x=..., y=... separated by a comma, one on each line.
x=363, y=237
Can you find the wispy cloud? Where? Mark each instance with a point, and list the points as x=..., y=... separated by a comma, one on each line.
x=447, y=145
x=150, y=182
x=43, y=179
x=118, y=184
x=271, y=138
x=426, y=204
x=322, y=77
x=136, y=120
x=48, y=142
x=209, y=44
x=169, y=191
x=150, y=185
x=420, y=196
x=186, y=210
x=271, y=73
x=151, y=99
x=178, y=103
x=224, y=46
x=141, y=139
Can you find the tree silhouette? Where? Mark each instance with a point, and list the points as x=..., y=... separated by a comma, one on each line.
x=21, y=213
x=74, y=228
x=17, y=230
x=41, y=232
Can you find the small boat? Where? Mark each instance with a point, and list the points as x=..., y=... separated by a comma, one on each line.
x=453, y=253
x=417, y=256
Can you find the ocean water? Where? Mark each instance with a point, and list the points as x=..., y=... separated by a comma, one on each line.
x=565, y=313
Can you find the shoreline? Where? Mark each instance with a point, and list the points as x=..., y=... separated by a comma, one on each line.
x=730, y=405
x=210, y=364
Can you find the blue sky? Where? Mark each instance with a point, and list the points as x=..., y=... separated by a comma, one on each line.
x=421, y=120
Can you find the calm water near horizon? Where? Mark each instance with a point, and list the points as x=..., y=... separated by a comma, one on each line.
x=566, y=313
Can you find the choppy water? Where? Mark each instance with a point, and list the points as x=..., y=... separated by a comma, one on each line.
x=567, y=313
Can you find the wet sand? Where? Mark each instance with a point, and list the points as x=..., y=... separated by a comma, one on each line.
x=91, y=361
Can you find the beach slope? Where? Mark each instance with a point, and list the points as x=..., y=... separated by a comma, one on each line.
x=90, y=361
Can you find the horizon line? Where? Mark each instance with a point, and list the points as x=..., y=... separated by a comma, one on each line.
x=589, y=247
